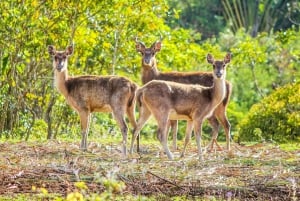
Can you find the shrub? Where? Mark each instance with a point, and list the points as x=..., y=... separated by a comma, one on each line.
x=276, y=117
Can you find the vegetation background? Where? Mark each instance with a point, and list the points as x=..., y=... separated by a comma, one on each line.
x=262, y=35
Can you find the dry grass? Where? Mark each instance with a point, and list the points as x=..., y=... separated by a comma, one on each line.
x=258, y=172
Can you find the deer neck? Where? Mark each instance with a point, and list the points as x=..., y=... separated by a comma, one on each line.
x=219, y=91
x=149, y=72
x=60, y=79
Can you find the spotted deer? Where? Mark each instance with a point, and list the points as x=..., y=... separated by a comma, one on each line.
x=90, y=93
x=167, y=100
x=151, y=72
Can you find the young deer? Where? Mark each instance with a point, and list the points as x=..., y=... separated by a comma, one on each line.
x=150, y=72
x=87, y=94
x=192, y=102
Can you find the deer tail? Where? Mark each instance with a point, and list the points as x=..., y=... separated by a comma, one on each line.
x=133, y=89
x=139, y=95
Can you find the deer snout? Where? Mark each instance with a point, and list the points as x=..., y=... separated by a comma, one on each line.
x=60, y=66
x=219, y=74
x=147, y=61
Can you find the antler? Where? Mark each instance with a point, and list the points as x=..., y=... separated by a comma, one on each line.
x=136, y=39
x=138, y=42
x=161, y=38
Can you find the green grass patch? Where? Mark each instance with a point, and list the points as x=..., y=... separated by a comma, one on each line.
x=292, y=146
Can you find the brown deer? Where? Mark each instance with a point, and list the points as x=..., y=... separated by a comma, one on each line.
x=192, y=102
x=87, y=94
x=150, y=72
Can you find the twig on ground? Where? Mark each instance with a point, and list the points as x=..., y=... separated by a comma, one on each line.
x=165, y=180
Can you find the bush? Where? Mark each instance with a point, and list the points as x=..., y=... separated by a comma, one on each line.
x=276, y=117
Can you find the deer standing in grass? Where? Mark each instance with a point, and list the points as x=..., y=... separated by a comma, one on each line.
x=167, y=100
x=150, y=72
x=87, y=94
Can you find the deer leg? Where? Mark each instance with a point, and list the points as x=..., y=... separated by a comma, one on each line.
x=220, y=113
x=130, y=113
x=119, y=117
x=144, y=116
x=84, y=121
x=188, y=134
x=162, y=137
x=213, y=121
x=173, y=125
x=198, y=133
x=226, y=125
x=162, y=133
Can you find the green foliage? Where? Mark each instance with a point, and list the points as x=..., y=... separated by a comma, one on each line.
x=113, y=191
x=103, y=45
x=30, y=107
x=204, y=16
x=39, y=129
x=260, y=16
x=235, y=113
x=260, y=64
x=276, y=117
x=210, y=17
x=293, y=146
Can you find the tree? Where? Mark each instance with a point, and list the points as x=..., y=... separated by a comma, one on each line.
x=104, y=45
x=210, y=17
x=260, y=16
x=203, y=16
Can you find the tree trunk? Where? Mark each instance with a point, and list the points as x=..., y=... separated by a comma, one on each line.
x=48, y=117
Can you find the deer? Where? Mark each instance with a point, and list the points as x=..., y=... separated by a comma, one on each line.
x=151, y=72
x=167, y=100
x=90, y=93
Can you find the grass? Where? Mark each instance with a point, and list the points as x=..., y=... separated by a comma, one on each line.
x=292, y=146
x=257, y=170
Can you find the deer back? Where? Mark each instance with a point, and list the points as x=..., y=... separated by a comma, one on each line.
x=183, y=99
x=96, y=92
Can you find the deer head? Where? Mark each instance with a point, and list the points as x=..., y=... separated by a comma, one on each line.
x=219, y=66
x=60, y=58
x=148, y=54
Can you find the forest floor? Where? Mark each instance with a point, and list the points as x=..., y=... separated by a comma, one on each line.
x=257, y=172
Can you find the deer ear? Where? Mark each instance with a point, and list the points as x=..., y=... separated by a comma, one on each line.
x=51, y=50
x=227, y=58
x=70, y=50
x=210, y=58
x=156, y=46
x=140, y=47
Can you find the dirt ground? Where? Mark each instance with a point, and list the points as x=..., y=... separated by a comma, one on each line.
x=257, y=172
